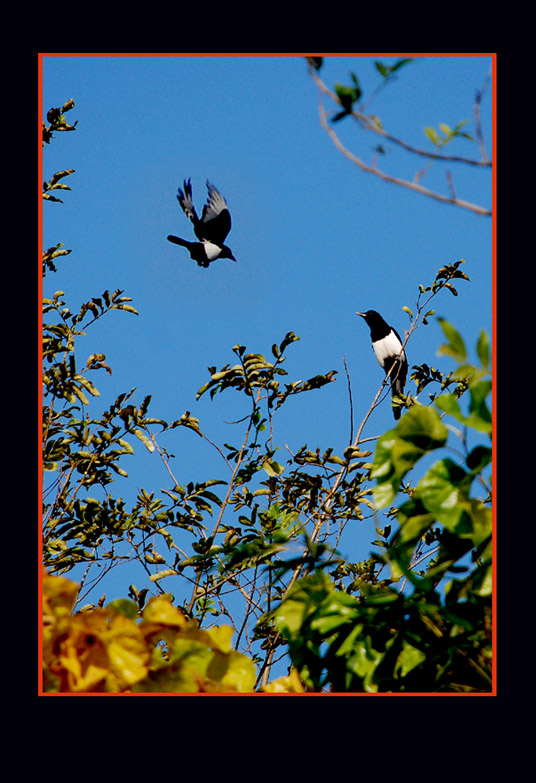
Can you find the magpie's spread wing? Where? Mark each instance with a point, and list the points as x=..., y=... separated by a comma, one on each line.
x=215, y=221
x=185, y=200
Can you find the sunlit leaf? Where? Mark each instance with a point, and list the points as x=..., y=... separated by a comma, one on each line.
x=147, y=442
x=398, y=450
x=455, y=346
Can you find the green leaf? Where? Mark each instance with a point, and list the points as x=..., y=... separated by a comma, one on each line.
x=347, y=97
x=448, y=403
x=417, y=433
x=118, y=470
x=79, y=393
x=300, y=601
x=455, y=346
x=414, y=521
x=59, y=175
x=382, y=69
x=125, y=607
x=88, y=386
x=479, y=458
x=162, y=574
x=289, y=338
x=126, y=308
x=203, y=389
x=479, y=413
x=482, y=349
x=126, y=446
x=433, y=136
x=48, y=197
x=147, y=442
x=273, y=468
x=388, y=70
x=442, y=491
x=409, y=658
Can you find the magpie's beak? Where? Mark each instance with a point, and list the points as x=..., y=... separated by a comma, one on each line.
x=361, y=314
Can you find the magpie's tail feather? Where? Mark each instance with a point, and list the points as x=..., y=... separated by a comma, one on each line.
x=397, y=390
x=178, y=241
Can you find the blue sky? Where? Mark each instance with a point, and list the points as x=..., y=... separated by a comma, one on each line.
x=315, y=238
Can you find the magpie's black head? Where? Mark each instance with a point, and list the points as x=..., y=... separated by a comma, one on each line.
x=226, y=253
x=371, y=317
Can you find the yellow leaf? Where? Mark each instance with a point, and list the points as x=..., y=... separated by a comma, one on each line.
x=289, y=684
x=127, y=653
x=234, y=672
x=59, y=596
x=110, y=650
x=58, y=592
x=82, y=663
x=221, y=637
x=159, y=610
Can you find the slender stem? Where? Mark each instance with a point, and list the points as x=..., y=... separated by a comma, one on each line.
x=415, y=186
x=376, y=128
x=350, y=398
x=478, y=121
x=396, y=180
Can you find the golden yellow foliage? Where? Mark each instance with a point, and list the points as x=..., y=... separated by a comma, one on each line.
x=289, y=684
x=104, y=651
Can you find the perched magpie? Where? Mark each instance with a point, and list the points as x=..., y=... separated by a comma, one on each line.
x=387, y=347
x=211, y=230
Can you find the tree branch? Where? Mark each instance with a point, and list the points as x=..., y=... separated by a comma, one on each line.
x=373, y=169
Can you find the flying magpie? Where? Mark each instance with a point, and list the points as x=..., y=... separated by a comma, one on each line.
x=387, y=347
x=211, y=230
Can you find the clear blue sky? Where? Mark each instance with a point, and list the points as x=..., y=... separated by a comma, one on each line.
x=315, y=238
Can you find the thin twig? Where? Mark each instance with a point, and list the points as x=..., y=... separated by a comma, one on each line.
x=415, y=563
x=396, y=180
x=350, y=397
x=478, y=121
x=370, y=125
x=162, y=457
x=376, y=128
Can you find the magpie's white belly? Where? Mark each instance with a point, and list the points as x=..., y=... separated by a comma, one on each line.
x=212, y=250
x=386, y=348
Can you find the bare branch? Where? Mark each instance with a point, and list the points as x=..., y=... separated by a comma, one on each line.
x=369, y=124
x=478, y=121
x=396, y=180
x=350, y=398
